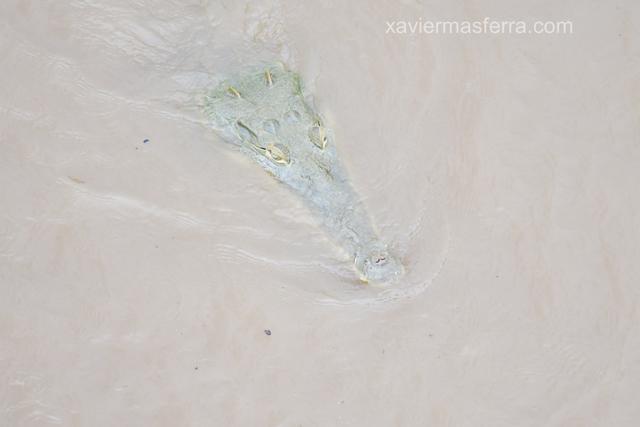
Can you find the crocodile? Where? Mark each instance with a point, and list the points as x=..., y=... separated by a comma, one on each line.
x=264, y=113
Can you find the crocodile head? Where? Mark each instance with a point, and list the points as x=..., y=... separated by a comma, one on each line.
x=265, y=115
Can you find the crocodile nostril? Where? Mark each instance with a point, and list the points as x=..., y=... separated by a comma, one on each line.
x=272, y=126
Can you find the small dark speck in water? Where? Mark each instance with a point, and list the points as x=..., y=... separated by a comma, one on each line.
x=196, y=368
x=146, y=141
x=267, y=331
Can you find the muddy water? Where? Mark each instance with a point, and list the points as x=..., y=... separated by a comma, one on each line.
x=142, y=261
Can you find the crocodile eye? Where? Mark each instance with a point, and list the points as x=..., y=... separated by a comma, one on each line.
x=278, y=153
x=318, y=136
